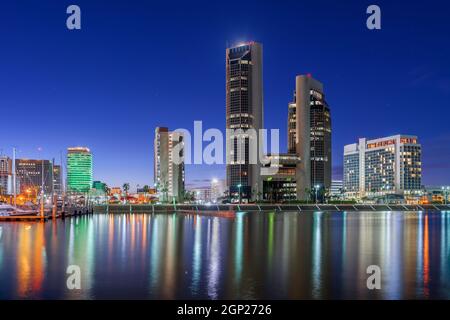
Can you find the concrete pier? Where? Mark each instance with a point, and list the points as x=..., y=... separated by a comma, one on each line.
x=170, y=208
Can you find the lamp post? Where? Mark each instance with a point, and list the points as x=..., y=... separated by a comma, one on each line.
x=316, y=189
x=239, y=188
x=445, y=192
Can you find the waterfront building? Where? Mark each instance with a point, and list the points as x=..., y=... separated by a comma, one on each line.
x=144, y=190
x=389, y=165
x=282, y=185
x=115, y=191
x=57, y=179
x=98, y=185
x=291, y=126
x=437, y=194
x=218, y=189
x=169, y=164
x=337, y=189
x=79, y=170
x=5, y=175
x=244, y=118
x=202, y=195
x=309, y=129
x=33, y=174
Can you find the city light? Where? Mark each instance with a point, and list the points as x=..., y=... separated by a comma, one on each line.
x=301, y=187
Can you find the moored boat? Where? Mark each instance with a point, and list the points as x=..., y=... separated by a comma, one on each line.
x=9, y=210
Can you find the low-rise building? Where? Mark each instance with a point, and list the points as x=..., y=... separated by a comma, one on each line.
x=336, y=189
x=281, y=186
x=202, y=194
x=218, y=189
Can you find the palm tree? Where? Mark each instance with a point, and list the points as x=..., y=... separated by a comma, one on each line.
x=146, y=190
x=106, y=189
x=326, y=194
x=308, y=194
x=258, y=195
x=226, y=194
x=126, y=187
x=164, y=190
x=188, y=196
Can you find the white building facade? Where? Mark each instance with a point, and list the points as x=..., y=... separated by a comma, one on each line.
x=389, y=165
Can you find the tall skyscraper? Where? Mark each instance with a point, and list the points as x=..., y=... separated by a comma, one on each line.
x=244, y=112
x=57, y=179
x=5, y=175
x=291, y=125
x=381, y=166
x=32, y=174
x=312, y=135
x=169, y=164
x=79, y=169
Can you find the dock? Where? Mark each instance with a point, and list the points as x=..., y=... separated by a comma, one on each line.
x=71, y=212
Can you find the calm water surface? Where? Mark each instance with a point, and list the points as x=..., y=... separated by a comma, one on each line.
x=248, y=256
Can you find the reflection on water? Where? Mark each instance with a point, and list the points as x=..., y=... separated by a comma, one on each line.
x=248, y=255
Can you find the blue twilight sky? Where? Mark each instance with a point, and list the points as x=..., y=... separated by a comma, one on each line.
x=135, y=65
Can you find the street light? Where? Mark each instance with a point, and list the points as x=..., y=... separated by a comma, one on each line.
x=317, y=189
x=445, y=191
x=239, y=188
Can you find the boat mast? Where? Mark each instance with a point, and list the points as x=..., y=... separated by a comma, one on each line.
x=14, y=175
x=62, y=183
x=42, y=188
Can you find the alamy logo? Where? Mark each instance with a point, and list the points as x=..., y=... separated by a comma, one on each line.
x=73, y=21
x=243, y=147
x=374, y=20
x=374, y=280
x=74, y=279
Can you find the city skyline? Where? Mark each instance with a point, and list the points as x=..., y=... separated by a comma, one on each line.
x=227, y=159
x=64, y=86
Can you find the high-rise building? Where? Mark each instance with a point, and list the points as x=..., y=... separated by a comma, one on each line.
x=79, y=170
x=169, y=164
x=244, y=118
x=291, y=125
x=33, y=174
x=5, y=175
x=312, y=127
x=57, y=179
x=382, y=166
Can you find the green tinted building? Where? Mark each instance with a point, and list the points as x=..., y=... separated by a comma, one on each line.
x=79, y=169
